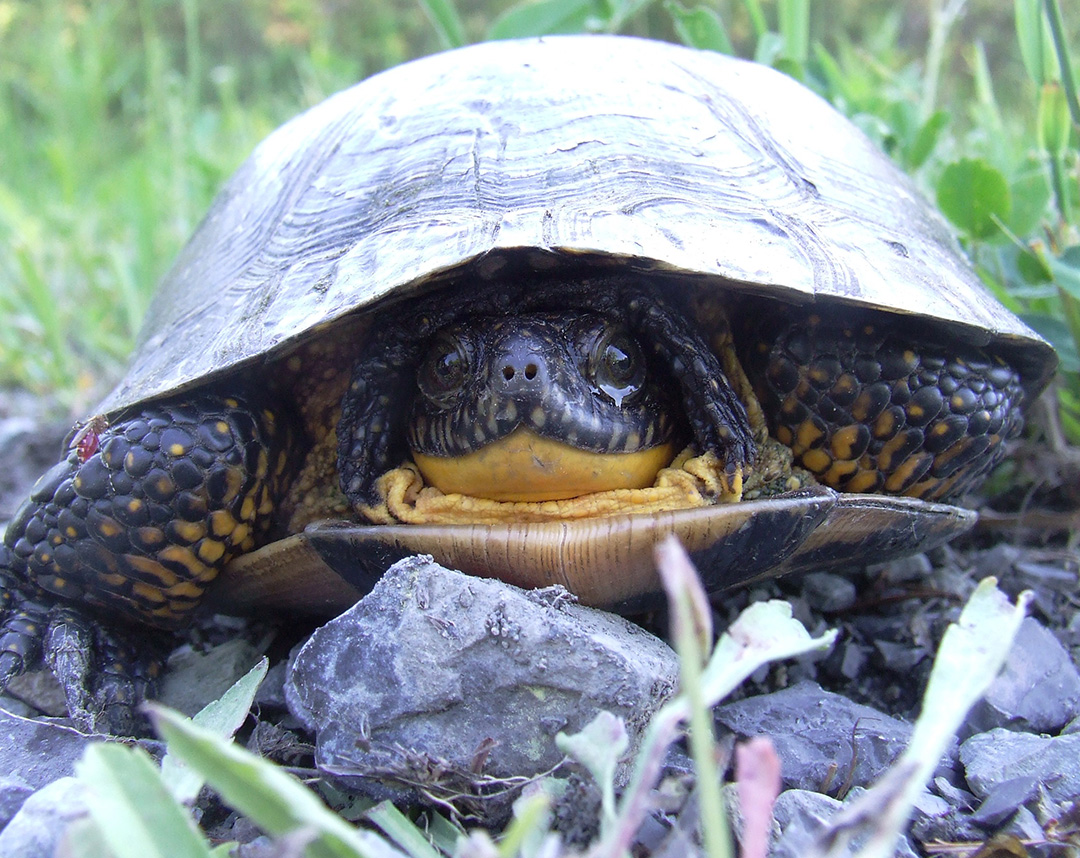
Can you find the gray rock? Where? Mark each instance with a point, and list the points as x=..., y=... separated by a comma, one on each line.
x=853, y=660
x=916, y=568
x=38, y=752
x=899, y=657
x=36, y=830
x=1025, y=826
x=193, y=679
x=826, y=592
x=461, y=669
x=13, y=794
x=802, y=814
x=271, y=692
x=1004, y=799
x=816, y=734
x=1038, y=689
x=40, y=691
x=990, y=759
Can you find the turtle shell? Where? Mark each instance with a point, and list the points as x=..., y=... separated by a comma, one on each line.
x=669, y=157
x=635, y=153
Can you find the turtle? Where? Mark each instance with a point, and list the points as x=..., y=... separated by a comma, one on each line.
x=475, y=309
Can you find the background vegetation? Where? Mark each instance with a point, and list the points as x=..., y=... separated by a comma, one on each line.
x=121, y=119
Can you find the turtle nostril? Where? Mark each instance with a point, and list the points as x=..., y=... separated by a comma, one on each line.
x=508, y=372
x=530, y=371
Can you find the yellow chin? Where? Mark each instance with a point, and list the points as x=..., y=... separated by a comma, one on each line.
x=524, y=466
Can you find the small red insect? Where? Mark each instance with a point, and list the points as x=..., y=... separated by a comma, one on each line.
x=87, y=437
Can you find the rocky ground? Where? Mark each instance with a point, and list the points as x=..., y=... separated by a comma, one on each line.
x=471, y=655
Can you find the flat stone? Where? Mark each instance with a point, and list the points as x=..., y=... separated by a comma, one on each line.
x=827, y=592
x=802, y=814
x=1003, y=801
x=816, y=733
x=992, y=758
x=13, y=794
x=40, y=691
x=37, y=829
x=468, y=671
x=38, y=752
x=1038, y=689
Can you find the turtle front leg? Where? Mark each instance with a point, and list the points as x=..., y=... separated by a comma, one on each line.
x=713, y=409
x=129, y=530
x=371, y=433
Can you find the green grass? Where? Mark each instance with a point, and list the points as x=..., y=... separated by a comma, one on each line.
x=121, y=120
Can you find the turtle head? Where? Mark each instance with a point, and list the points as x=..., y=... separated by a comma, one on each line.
x=540, y=406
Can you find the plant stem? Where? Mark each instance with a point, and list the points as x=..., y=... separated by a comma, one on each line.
x=1061, y=48
x=941, y=21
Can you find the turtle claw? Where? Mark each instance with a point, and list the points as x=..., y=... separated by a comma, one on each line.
x=104, y=678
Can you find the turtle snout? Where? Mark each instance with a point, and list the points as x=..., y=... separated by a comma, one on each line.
x=521, y=374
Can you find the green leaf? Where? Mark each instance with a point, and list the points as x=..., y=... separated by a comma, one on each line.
x=1056, y=332
x=622, y=11
x=1030, y=193
x=83, y=839
x=528, y=831
x=1066, y=270
x=273, y=799
x=224, y=717
x=599, y=747
x=770, y=47
x=134, y=811
x=1036, y=47
x=399, y=828
x=1032, y=267
x=987, y=110
x=700, y=27
x=794, y=20
x=1064, y=57
x=1052, y=122
x=444, y=17
x=545, y=17
x=757, y=17
x=837, y=84
x=972, y=194
x=1070, y=413
x=926, y=139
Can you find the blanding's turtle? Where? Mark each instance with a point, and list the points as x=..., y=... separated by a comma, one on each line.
x=526, y=307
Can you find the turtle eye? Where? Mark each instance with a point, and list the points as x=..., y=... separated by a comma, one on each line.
x=616, y=365
x=445, y=369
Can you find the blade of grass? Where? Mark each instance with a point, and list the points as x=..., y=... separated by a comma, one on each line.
x=943, y=15
x=224, y=717
x=399, y=828
x=757, y=17
x=273, y=799
x=699, y=27
x=133, y=809
x=971, y=653
x=1036, y=50
x=1061, y=49
x=692, y=628
x=446, y=20
x=794, y=20
x=764, y=632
